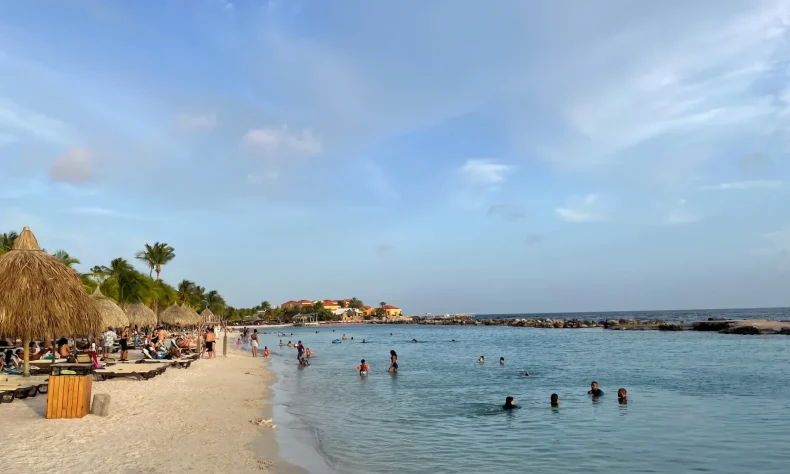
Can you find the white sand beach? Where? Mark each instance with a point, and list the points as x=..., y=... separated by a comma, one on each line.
x=201, y=419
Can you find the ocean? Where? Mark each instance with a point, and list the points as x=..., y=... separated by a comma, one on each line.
x=698, y=402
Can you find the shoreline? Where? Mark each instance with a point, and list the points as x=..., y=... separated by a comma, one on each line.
x=210, y=417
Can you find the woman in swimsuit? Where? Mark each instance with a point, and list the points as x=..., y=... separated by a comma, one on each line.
x=394, y=361
x=125, y=344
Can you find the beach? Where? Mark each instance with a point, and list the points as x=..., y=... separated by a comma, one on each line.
x=206, y=418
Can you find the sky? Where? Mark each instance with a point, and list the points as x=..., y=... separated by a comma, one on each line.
x=442, y=155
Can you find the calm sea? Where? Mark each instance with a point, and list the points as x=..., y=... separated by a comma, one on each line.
x=698, y=402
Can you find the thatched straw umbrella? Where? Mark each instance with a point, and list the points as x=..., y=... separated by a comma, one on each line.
x=177, y=315
x=141, y=315
x=207, y=316
x=111, y=314
x=40, y=296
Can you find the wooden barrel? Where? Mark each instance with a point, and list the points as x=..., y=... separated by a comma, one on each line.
x=69, y=396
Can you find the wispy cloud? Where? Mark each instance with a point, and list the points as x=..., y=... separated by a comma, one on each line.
x=680, y=214
x=581, y=210
x=534, y=239
x=383, y=249
x=76, y=166
x=92, y=211
x=263, y=178
x=282, y=142
x=189, y=122
x=509, y=212
x=485, y=174
x=745, y=185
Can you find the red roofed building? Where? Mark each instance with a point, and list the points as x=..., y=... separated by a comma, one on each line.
x=390, y=311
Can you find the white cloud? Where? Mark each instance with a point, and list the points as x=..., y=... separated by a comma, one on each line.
x=195, y=122
x=75, y=166
x=745, y=185
x=509, y=212
x=263, y=178
x=581, y=210
x=92, y=211
x=485, y=174
x=281, y=141
x=680, y=214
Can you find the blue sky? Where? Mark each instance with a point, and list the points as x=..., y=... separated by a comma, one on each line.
x=443, y=156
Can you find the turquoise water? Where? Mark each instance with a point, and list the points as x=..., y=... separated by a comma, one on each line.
x=698, y=402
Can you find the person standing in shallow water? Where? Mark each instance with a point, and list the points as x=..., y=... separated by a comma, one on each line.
x=254, y=343
x=393, y=361
x=501, y=361
x=594, y=390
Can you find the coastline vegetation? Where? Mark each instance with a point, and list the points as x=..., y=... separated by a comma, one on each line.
x=120, y=281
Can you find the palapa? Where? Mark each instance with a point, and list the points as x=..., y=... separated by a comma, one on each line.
x=177, y=315
x=41, y=297
x=207, y=316
x=111, y=314
x=141, y=315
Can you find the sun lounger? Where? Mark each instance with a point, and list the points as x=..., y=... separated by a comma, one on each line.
x=133, y=371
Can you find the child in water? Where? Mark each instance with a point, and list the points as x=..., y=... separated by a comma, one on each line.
x=555, y=400
x=363, y=368
x=481, y=359
x=501, y=361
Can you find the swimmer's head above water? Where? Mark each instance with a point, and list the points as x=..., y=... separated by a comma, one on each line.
x=509, y=404
x=622, y=396
x=481, y=359
x=555, y=400
x=501, y=361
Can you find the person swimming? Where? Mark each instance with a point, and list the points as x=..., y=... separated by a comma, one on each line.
x=363, y=341
x=527, y=374
x=281, y=342
x=501, y=361
x=594, y=390
x=453, y=340
x=481, y=359
x=622, y=396
x=555, y=400
x=344, y=337
x=393, y=361
x=414, y=340
x=510, y=404
x=363, y=368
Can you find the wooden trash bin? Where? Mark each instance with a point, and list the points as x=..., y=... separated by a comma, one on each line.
x=69, y=396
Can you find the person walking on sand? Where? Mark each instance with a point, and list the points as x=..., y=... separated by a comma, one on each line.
x=211, y=342
x=254, y=343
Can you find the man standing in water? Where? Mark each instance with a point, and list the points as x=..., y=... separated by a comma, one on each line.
x=254, y=343
x=300, y=349
x=594, y=390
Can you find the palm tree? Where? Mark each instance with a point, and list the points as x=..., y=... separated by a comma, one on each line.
x=155, y=256
x=381, y=308
x=65, y=258
x=265, y=306
x=7, y=240
x=355, y=303
x=215, y=302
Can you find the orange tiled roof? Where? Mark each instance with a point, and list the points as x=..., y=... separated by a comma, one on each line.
x=389, y=306
x=329, y=302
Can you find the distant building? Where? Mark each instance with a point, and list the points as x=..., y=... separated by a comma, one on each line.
x=391, y=311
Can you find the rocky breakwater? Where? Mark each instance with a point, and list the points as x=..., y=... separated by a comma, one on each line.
x=754, y=327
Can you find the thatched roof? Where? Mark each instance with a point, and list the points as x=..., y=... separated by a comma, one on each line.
x=207, y=316
x=179, y=316
x=40, y=296
x=111, y=314
x=141, y=315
